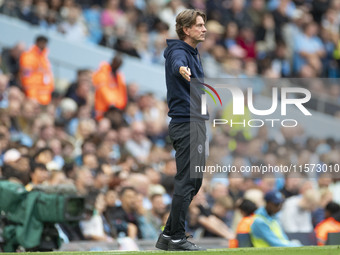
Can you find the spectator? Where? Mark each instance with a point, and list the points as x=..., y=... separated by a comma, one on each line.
x=256, y=11
x=56, y=147
x=66, y=112
x=58, y=178
x=280, y=62
x=90, y=160
x=101, y=179
x=4, y=138
x=111, y=198
x=84, y=181
x=4, y=102
x=319, y=7
x=124, y=217
x=246, y=41
x=39, y=175
x=110, y=15
x=17, y=135
x=329, y=224
x=216, y=10
x=80, y=91
x=93, y=228
x=309, y=51
x=9, y=8
x=223, y=209
x=139, y=145
x=238, y=14
x=296, y=212
x=73, y=27
x=43, y=155
x=110, y=87
x=86, y=128
x=265, y=36
x=39, y=15
x=280, y=16
x=230, y=41
x=47, y=130
x=236, y=184
x=200, y=215
x=217, y=190
x=266, y=230
x=85, y=74
x=292, y=185
x=55, y=5
x=155, y=215
x=154, y=114
x=16, y=167
x=169, y=13
x=247, y=209
x=148, y=232
x=92, y=18
x=10, y=60
x=35, y=72
x=132, y=92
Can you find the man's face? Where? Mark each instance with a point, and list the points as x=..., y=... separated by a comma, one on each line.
x=41, y=45
x=84, y=88
x=273, y=208
x=158, y=205
x=197, y=31
x=44, y=157
x=129, y=199
x=39, y=175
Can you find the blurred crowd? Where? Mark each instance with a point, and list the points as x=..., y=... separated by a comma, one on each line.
x=118, y=155
x=284, y=38
x=245, y=38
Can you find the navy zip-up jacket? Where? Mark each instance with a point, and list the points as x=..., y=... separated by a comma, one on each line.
x=183, y=107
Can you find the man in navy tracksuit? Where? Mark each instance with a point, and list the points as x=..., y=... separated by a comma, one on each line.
x=187, y=127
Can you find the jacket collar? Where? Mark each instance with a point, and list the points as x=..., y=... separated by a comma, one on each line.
x=36, y=50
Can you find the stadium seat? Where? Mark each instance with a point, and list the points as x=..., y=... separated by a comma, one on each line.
x=333, y=239
x=304, y=238
x=244, y=240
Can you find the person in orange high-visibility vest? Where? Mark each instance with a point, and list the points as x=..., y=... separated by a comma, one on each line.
x=328, y=225
x=110, y=87
x=35, y=72
x=247, y=209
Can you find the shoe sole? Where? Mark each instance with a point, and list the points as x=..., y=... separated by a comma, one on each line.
x=162, y=246
x=185, y=250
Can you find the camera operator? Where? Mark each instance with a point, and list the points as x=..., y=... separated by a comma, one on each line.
x=30, y=217
x=15, y=170
x=16, y=167
x=38, y=174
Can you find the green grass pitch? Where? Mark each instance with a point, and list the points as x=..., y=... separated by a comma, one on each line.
x=306, y=250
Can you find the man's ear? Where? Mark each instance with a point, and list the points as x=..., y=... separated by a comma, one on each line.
x=186, y=30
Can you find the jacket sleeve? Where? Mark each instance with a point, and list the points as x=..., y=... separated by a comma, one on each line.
x=261, y=230
x=178, y=59
x=99, y=104
x=27, y=68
